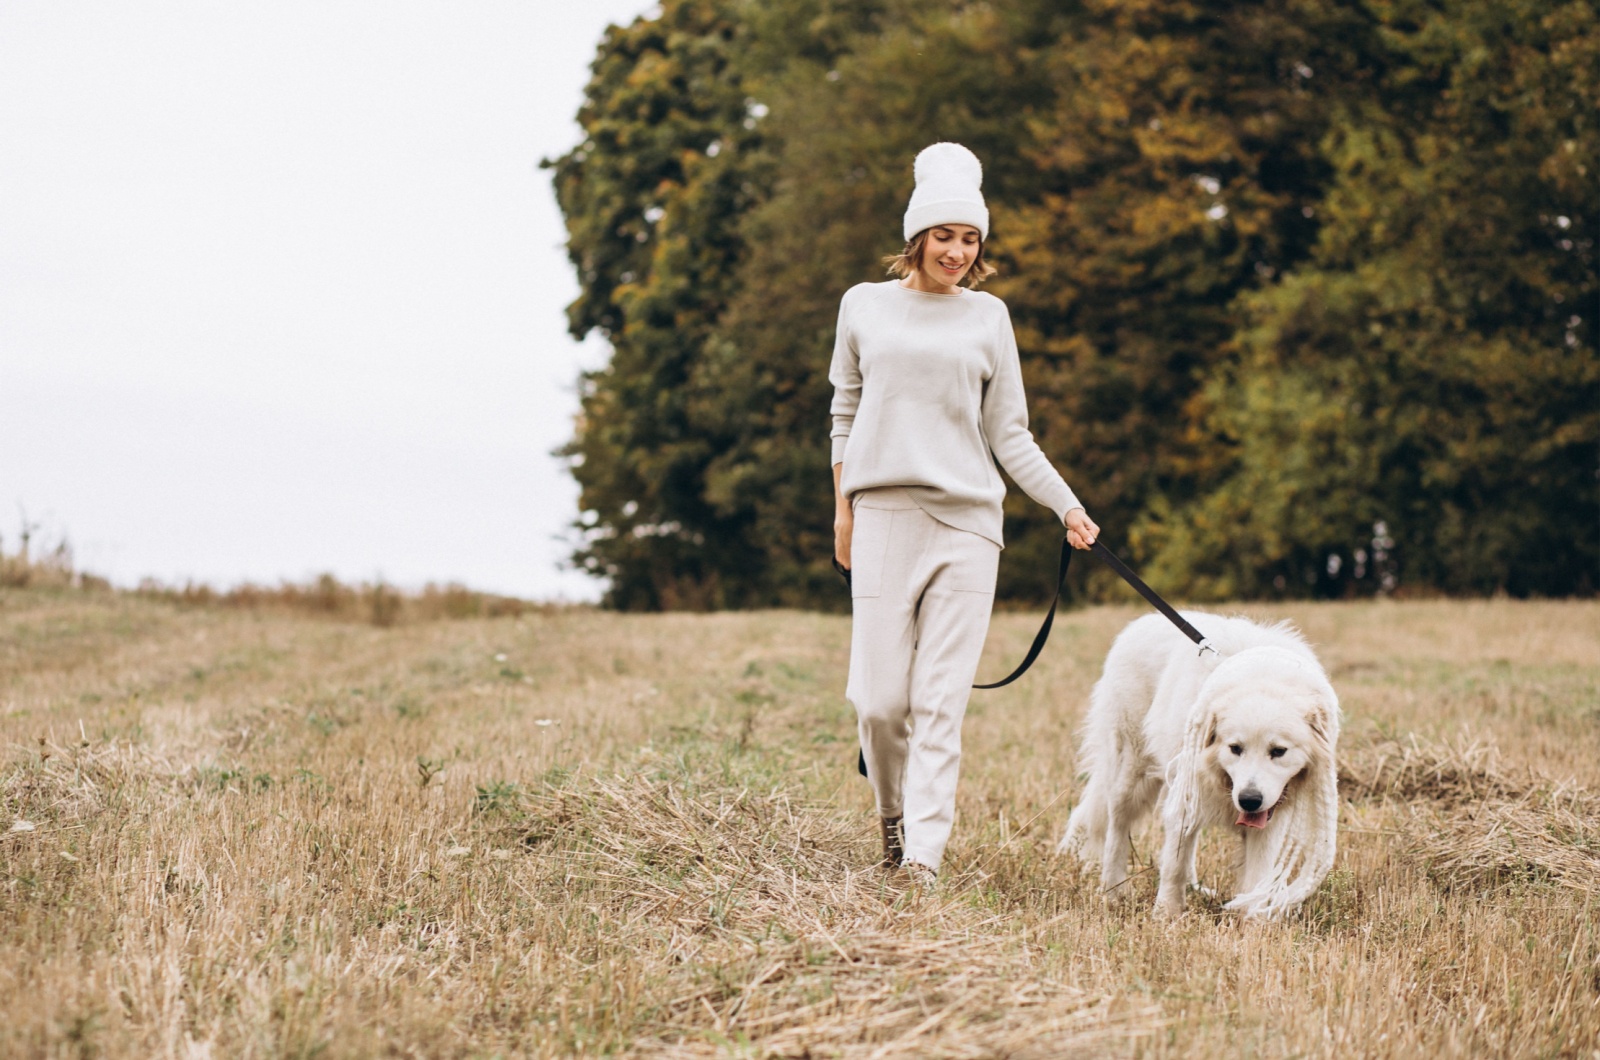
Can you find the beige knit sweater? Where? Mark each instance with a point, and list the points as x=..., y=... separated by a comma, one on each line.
x=928, y=395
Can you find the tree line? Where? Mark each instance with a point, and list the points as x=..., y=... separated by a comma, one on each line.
x=1305, y=289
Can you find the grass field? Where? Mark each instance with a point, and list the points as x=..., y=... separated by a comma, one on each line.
x=249, y=832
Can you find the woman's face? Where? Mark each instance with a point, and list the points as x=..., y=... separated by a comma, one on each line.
x=948, y=253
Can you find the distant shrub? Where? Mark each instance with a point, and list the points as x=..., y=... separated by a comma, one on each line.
x=49, y=567
x=377, y=603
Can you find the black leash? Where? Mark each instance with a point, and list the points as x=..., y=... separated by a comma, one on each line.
x=1110, y=559
x=1049, y=620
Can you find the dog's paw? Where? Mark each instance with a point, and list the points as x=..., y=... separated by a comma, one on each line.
x=1169, y=907
x=1074, y=844
x=1113, y=882
x=1208, y=893
x=1118, y=895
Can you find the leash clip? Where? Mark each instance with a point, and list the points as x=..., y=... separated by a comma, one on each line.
x=1206, y=646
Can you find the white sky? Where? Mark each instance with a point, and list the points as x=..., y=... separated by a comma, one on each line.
x=282, y=286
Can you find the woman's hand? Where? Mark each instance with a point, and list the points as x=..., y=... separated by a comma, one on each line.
x=1081, y=530
x=844, y=519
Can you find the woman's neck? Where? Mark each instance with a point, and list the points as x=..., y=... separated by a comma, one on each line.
x=921, y=281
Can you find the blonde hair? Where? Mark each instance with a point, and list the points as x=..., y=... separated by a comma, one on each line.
x=908, y=260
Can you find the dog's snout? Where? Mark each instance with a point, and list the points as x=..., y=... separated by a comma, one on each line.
x=1249, y=800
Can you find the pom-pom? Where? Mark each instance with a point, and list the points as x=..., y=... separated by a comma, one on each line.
x=944, y=161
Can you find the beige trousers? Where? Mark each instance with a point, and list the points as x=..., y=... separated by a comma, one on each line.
x=922, y=592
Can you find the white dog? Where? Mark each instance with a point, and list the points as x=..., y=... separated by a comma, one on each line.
x=1245, y=740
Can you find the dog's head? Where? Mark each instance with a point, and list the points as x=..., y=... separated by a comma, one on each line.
x=1270, y=717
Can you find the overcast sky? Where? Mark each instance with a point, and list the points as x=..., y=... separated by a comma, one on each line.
x=282, y=286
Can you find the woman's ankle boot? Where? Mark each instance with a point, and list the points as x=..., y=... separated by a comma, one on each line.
x=894, y=848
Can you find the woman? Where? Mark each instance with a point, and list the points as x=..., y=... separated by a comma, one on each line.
x=927, y=396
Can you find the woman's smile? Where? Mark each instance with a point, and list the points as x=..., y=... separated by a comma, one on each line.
x=947, y=254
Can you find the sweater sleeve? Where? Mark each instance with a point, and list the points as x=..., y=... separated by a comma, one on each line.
x=1005, y=424
x=845, y=375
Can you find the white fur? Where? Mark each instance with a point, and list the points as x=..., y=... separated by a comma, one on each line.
x=1205, y=729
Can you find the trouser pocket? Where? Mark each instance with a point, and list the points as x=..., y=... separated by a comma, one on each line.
x=973, y=562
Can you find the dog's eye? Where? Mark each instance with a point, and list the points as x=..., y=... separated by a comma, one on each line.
x=1278, y=752
x=1236, y=748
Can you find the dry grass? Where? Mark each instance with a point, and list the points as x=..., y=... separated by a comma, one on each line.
x=245, y=832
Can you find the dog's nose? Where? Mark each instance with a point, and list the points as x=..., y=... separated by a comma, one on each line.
x=1249, y=800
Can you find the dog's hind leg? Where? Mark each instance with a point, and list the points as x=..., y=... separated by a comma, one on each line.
x=1101, y=754
x=1132, y=792
x=1086, y=827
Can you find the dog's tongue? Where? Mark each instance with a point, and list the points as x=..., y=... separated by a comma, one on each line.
x=1254, y=820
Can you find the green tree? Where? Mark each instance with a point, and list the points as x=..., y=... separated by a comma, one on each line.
x=1432, y=371
x=652, y=197
x=1177, y=167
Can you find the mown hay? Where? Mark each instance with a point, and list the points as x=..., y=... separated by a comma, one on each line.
x=1550, y=837
x=1412, y=770
x=1475, y=825
x=778, y=934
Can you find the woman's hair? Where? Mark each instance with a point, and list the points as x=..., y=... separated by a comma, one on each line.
x=905, y=263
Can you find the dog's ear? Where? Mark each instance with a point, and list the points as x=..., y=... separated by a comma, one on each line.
x=1317, y=719
x=1211, y=729
x=1320, y=718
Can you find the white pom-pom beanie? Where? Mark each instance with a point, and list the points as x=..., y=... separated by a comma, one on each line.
x=948, y=181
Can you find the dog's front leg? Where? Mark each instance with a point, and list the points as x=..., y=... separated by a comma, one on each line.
x=1177, y=866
